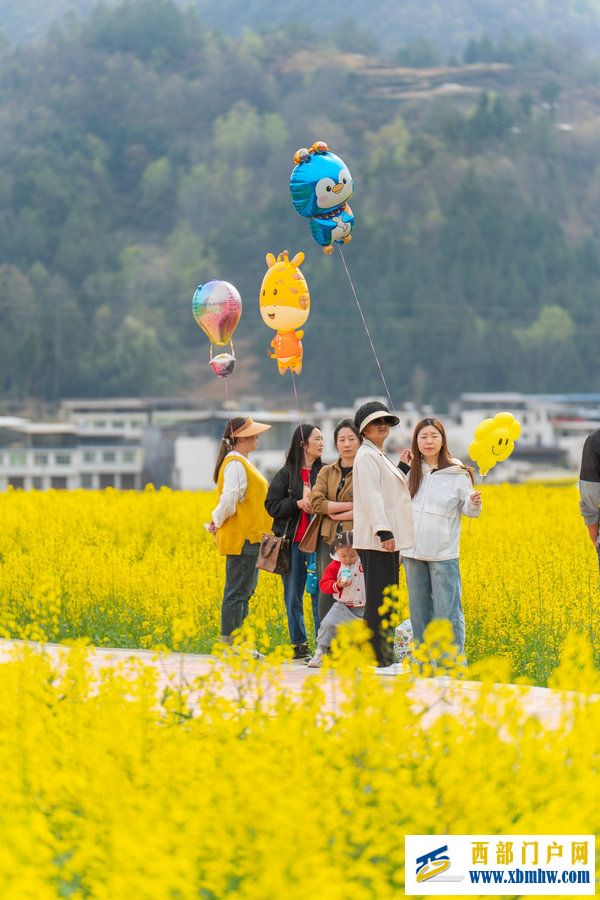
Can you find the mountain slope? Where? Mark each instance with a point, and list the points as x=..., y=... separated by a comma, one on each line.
x=141, y=154
x=449, y=25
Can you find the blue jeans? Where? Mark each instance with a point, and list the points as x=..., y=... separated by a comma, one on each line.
x=434, y=592
x=241, y=576
x=293, y=594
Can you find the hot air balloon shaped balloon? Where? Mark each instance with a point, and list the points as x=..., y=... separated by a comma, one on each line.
x=320, y=186
x=494, y=441
x=284, y=306
x=217, y=307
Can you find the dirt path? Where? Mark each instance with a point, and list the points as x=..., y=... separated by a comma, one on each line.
x=435, y=695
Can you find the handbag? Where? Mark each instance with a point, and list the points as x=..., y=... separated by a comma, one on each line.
x=274, y=554
x=309, y=542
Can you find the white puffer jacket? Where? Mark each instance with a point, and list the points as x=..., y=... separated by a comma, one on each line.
x=442, y=498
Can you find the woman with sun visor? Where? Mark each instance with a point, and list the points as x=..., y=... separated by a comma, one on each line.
x=239, y=519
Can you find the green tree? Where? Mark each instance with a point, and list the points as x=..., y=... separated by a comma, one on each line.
x=419, y=53
x=157, y=188
x=17, y=313
x=153, y=30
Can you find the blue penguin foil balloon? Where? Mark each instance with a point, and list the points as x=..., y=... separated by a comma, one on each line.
x=320, y=186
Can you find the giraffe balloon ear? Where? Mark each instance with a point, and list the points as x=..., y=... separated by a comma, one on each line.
x=270, y=260
x=298, y=259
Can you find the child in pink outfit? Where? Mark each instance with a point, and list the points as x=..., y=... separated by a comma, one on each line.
x=344, y=579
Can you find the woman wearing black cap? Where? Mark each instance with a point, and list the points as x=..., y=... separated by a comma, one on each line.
x=383, y=523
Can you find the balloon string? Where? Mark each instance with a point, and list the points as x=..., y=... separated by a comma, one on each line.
x=364, y=321
x=233, y=450
x=296, y=396
x=366, y=327
x=299, y=415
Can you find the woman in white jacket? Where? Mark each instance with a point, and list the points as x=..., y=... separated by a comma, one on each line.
x=442, y=492
x=383, y=521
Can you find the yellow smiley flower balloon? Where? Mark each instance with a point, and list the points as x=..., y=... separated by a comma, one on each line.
x=494, y=441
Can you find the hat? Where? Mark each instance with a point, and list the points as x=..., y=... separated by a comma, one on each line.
x=373, y=410
x=250, y=428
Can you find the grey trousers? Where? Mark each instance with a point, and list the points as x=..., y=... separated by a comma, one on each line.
x=241, y=577
x=337, y=615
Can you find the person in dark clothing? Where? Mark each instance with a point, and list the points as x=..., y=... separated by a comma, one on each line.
x=288, y=502
x=383, y=521
x=589, y=486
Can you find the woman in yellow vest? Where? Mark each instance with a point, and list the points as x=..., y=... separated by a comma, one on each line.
x=239, y=519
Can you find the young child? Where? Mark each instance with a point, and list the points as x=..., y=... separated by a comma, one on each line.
x=344, y=579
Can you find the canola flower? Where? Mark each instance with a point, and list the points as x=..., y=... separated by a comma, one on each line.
x=109, y=794
x=111, y=791
x=138, y=570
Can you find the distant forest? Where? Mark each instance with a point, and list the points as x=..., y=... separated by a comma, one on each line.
x=142, y=152
x=352, y=25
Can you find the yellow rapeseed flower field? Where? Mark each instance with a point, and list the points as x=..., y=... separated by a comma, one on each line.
x=108, y=794
x=111, y=791
x=139, y=570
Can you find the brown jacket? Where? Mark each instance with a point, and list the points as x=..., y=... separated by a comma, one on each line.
x=325, y=489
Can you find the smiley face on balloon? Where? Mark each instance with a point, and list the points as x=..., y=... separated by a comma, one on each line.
x=284, y=307
x=494, y=441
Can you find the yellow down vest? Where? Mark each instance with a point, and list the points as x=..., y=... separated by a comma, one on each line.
x=250, y=520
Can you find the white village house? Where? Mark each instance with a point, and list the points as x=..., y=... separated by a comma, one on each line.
x=61, y=456
x=126, y=443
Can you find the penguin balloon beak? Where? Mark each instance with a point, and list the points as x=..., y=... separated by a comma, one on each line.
x=337, y=188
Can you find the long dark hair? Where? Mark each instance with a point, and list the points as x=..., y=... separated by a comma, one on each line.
x=444, y=459
x=295, y=457
x=227, y=443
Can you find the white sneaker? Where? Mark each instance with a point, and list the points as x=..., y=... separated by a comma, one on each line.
x=317, y=661
x=236, y=651
x=394, y=669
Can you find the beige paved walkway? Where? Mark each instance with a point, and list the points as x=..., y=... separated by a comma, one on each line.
x=432, y=695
